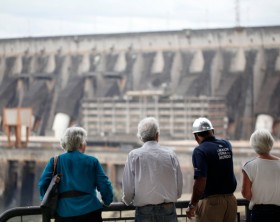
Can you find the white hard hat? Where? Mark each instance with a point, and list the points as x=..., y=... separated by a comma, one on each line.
x=201, y=124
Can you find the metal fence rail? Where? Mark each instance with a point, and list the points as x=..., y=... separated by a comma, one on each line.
x=115, y=212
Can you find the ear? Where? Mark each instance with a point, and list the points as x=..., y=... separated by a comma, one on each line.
x=197, y=138
x=82, y=148
x=157, y=137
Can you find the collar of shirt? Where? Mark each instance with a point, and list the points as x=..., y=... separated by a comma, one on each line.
x=150, y=143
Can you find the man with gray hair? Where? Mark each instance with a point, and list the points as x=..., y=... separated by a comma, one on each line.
x=152, y=178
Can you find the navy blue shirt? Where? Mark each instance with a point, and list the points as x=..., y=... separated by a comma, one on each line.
x=213, y=159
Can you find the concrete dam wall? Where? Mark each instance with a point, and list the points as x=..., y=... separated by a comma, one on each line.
x=54, y=75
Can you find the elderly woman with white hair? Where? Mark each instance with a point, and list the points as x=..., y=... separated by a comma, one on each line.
x=82, y=176
x=261, y=178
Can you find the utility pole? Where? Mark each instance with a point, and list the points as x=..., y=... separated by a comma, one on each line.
x=237, y=13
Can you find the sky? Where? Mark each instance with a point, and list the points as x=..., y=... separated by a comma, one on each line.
x=34, y=18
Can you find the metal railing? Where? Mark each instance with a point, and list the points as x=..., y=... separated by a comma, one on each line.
x=115, y=212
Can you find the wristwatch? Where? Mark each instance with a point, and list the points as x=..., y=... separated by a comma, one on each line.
x=191, y=206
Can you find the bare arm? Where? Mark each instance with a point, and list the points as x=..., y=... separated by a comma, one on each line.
x=246, y=186
x=198, y=189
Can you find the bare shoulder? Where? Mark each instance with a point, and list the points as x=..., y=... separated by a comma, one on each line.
x=275, y=157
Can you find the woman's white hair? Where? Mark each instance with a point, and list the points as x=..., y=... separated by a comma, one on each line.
x=147, y=129
x=261, y=141
x=72, y=138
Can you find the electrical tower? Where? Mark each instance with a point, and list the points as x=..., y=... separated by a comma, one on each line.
x=237, y=14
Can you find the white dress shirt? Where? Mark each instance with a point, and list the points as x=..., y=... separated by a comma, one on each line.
x=152, y=175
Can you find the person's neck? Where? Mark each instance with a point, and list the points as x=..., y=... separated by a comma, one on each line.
x=201, y=139
x=268, y=156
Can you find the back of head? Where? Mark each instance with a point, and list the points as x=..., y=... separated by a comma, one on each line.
x=261, y=141
x=72, y=138
x=148, y=129
x=202, y=126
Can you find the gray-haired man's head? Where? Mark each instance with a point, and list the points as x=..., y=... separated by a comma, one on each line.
x=148, y=129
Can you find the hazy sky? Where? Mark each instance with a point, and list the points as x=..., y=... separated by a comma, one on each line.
x=25, y=18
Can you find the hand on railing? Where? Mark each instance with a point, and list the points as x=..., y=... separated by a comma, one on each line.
x=190, y=212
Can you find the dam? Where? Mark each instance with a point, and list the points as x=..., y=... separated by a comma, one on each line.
x=61, y=78
x=106, y=83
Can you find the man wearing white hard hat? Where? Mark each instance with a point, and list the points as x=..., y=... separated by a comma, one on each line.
x=214, y=180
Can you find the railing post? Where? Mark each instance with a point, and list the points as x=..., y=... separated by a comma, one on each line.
x=247, y=213
x=45, y=218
